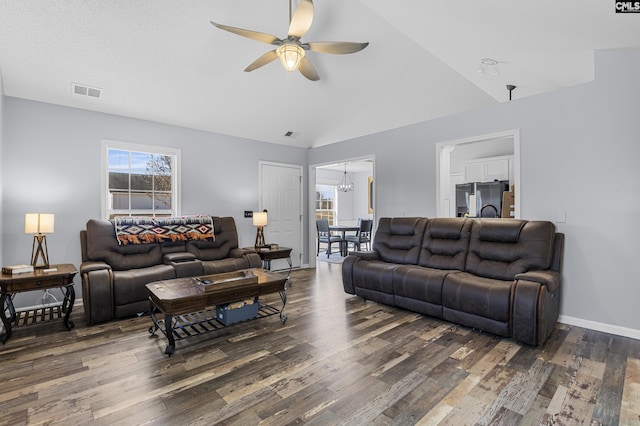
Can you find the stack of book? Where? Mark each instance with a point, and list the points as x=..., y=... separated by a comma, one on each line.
x=17, y=269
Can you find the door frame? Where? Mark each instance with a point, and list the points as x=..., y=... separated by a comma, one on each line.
x=312, y=199
x=301, y=194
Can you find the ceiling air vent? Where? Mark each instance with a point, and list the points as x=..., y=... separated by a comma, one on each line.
x=82, y=90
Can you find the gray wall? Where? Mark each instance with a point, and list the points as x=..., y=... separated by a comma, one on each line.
x=579, y=154
x=52, y=162
x=1, y=157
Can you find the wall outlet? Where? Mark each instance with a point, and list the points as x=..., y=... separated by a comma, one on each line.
x=248, y=213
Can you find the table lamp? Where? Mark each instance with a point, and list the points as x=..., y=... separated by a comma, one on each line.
x=260, y=220
x=39, y=224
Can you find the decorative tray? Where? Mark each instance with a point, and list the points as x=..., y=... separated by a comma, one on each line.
x=209, y=282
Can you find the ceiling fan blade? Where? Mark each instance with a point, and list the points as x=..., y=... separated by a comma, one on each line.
x=336, y=47
x=262, y=60
x=308, y=70
x=254, y=35
x=301, y=19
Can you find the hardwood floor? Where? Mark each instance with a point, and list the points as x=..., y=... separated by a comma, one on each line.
x=337, y=360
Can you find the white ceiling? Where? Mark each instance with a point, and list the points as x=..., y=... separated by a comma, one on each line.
x=161, y=60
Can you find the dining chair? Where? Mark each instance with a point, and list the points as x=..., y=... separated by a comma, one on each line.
x=362, y=236
x=325, y=236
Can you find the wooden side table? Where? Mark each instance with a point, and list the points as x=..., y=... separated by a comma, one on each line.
x=269, y=254
x=37, y=280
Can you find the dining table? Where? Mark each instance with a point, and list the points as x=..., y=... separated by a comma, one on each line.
x=343, y=229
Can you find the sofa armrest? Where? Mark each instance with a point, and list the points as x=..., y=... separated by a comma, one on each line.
x=347, y=273
x=97, y=291
x=549, y=278
x=239, y=252
x=183, y=256
x=366, y=255
x=535, y=306
x=185, y=264
x=253, y=258
x=90, y=266
x=347, y=267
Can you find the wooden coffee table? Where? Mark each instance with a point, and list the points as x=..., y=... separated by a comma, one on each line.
x=188, y=310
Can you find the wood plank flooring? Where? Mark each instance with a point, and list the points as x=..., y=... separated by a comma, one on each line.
x=337, y=360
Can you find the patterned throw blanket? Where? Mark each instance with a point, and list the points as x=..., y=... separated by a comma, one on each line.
x=145, y=230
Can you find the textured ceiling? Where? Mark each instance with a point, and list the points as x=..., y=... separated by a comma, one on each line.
x=162, y=60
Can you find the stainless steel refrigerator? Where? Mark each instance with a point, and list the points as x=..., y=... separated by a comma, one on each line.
x=480, y=199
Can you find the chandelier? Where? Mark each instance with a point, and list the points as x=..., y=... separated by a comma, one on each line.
x=346, y=184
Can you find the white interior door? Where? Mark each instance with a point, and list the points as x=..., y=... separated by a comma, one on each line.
x=281, y=195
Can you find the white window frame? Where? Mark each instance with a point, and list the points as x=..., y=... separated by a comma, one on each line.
x=335, y=200
x=148, y=149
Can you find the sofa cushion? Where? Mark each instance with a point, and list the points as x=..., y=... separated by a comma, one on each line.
x=486, y=297
x=226, y=240
x=478, y=302
x=419, y=289
x=445, y=243
x=130, y=286
x=373, y=280
x=103, y=246
x=502, y=248
x=398, y=240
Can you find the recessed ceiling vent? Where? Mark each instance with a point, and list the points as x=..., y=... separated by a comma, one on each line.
x=82, y=90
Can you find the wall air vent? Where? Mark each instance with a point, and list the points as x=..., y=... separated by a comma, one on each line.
x=83, y=90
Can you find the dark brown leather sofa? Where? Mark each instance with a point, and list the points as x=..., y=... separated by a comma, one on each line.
x=114, y=276
x=497, y=275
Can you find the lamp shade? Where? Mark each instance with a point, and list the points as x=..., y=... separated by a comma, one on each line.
x=260, y=219
x=39, y=223
x=290, y=56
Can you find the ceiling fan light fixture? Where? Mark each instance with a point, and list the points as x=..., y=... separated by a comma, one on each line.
x=290, y=56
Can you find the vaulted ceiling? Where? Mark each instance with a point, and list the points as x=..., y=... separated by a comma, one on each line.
x=161, y=60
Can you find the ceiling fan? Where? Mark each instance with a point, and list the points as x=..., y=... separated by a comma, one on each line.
x=290, y=50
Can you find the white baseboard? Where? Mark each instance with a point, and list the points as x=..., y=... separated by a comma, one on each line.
x=599, y=326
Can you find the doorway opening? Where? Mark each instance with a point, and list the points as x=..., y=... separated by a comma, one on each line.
x=345, y=208
x=486, y=158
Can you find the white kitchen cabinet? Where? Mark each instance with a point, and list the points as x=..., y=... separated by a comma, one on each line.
x=473, y=171
x=487, y=169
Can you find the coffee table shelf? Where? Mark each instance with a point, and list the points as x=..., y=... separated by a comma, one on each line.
x=205, y=321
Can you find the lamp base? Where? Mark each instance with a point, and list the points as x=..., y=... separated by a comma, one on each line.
x=260, y=237
x=39, y=251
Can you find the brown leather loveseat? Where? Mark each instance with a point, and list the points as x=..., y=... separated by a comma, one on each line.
x=497, y=275
x=114, y=275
